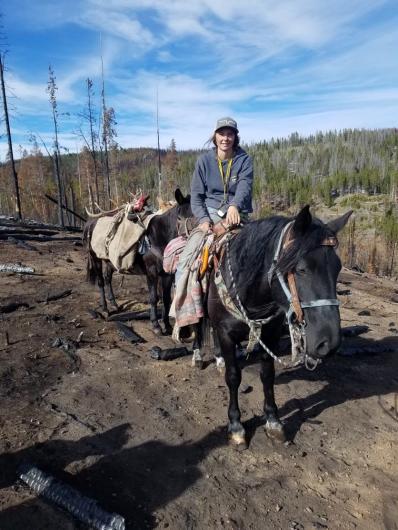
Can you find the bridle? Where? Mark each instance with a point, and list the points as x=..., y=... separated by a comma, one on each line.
x=295, y=313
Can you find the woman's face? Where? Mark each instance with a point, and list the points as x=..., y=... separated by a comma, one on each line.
x=225, y=138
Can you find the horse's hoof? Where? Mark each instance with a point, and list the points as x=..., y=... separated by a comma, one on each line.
x=157, y=331
x=197, y=363
x=220, y=365
x=274, y=429
x=238, y=440
x=168, y=330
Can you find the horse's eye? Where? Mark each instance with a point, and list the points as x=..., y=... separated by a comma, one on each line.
x=301, y=270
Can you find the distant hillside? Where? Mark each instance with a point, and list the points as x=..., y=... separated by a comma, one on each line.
x=299, y=170
x=332, y=171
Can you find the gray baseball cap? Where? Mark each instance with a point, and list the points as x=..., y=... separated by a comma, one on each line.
x=226, y=122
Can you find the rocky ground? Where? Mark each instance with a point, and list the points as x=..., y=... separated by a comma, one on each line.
x=147, y=438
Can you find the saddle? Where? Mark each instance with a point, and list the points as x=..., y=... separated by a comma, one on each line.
x=211, y=251
x=212, y=254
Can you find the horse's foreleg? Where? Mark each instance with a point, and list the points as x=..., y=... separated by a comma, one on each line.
x=273, y=424
x=152, y=281
x=108, y=285
x=220, y=363
x=167, y=282
x=233, y=378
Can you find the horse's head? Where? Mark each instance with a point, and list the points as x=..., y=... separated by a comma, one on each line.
x=184, y=211
x=308, y=267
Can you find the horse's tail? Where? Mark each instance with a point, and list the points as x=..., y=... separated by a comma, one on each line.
x=91, y=269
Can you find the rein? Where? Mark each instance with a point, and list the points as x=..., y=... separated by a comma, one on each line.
x=294, y=314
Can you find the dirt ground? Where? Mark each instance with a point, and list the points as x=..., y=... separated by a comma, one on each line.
x=147, y=439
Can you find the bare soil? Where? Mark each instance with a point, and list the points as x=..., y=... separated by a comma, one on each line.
x=147, y=438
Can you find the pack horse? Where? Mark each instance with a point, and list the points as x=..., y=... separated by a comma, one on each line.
x=160, y=230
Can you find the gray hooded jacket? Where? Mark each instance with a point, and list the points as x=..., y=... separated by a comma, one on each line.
x=207, y=188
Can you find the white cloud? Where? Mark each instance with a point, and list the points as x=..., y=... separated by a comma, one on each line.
x=119, y=25
x=289, y=65
x=25, y=91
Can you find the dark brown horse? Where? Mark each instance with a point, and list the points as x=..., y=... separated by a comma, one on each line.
x=276, y=268
x=161, y=230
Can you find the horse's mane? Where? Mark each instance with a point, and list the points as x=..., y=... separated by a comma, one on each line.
x=167, y=219
x=252, y=250
x=164, y=206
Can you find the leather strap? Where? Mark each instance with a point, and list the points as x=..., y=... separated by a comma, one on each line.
x=295, y=297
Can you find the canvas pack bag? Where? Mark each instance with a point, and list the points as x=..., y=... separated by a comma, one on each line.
x=116, y=239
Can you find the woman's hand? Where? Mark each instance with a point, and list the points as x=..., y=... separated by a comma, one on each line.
x=233, y=217
x=205, y=227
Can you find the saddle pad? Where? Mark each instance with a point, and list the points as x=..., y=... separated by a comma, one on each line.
x=172, y=253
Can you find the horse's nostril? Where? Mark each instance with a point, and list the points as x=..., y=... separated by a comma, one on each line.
x=322, y=348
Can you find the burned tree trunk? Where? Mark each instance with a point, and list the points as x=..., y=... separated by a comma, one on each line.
x=10, y=150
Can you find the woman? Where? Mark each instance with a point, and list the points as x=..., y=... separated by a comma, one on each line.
x=221, y=197
x=221, y=189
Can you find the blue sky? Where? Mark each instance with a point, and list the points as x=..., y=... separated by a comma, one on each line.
x=276, y=67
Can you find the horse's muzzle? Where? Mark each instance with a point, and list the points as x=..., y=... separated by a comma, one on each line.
x=324, y=348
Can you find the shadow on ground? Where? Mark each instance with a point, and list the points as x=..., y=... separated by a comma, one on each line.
x=133, y=482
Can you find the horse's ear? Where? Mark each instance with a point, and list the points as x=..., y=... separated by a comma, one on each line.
x=179, y=196
x=337, y=224
x=302, y=221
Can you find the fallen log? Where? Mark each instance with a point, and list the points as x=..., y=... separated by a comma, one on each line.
x=39, y=237
x=55, y=296
x=21, y=243
x=11, y=230
x=128, y=333
x=13, y=267
x=12, y=306
x=168, y=354
x=131, y=315
x=35, y=225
